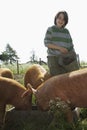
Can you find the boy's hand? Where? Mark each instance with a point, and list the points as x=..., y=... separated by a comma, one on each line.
x=63, y=50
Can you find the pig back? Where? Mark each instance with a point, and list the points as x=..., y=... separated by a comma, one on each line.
x=71, y=86
x=9, y=89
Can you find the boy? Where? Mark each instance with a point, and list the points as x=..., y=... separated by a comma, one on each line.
x=61, y=54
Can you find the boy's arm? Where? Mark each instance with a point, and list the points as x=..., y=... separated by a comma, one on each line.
x=56, y=47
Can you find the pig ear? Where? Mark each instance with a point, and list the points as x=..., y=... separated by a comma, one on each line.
x=42, y=80
x=25, y=93
x=29, y=86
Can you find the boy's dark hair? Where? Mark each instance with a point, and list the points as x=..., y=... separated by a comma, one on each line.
x=65, y=17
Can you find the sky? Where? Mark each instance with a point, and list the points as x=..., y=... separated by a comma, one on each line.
x=23, y=24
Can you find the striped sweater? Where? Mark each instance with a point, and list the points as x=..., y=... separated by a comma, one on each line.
x=57, y=36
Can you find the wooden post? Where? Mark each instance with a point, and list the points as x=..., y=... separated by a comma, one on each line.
x=40, y=61
x=78, y=60
x=17, y=67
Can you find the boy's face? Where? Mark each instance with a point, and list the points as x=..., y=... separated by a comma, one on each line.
x=60, y=21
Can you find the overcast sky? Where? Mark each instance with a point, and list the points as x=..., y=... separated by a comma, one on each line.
x=23, y=24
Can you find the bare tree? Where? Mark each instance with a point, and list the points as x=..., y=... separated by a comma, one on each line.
x=33, y=57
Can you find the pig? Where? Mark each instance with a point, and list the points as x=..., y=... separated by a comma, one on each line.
x=36, y=75
x=5, y=72
x=12, y=92
x=70, y=87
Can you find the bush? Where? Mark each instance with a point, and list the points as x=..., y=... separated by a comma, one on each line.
x=59, y=109
x=83, y=113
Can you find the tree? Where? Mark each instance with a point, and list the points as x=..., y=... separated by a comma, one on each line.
x=4, y=57
x=9, y=55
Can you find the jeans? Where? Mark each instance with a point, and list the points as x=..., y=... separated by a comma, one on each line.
x=55, y=68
